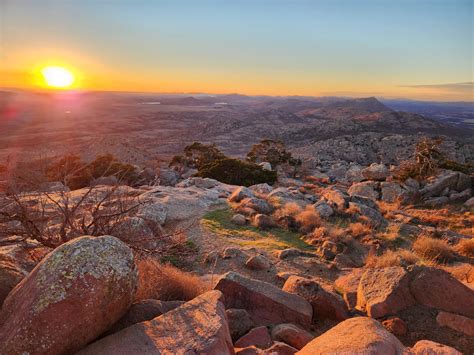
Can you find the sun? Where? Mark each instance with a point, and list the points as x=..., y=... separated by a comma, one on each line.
x=57, y=77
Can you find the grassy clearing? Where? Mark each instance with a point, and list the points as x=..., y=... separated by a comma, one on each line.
x=219, y=222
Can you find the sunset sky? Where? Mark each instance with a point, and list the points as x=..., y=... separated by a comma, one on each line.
x=388, y=48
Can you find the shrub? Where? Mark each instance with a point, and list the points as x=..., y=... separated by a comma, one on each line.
x=358, y=229
x=197, y=155
x=289, y=209
x=166, y=282
x=466, y=247
x=400, y=257
x=430, y=249
x=237, y=172
x=308, y=218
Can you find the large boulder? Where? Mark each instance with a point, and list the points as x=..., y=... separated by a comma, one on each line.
x=265, y=303
x=72, y=296
x=291, y=335
x=436, y=288
x=365, y=189
x=360, y=335
x=451, y=180
x=258, y=337
x=373, y=216
x=455, y=321
x=384, y=291
x=325, y=304
x=428, y=347
x=197, y=327
x=378, y=172
x=153, y=212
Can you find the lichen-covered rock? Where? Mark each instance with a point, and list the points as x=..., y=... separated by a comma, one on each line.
x=391, y=191
x=258, y=262
x=266, y=304
x=197, y=327
x=359, y=335
x=336, y=198
x=72, y=296
x=263, y=222
x=384, y=291
x=256, y=204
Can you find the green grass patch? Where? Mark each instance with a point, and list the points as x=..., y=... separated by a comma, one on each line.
x=219, y=222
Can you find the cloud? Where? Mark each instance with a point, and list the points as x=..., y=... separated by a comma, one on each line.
x=469, y=85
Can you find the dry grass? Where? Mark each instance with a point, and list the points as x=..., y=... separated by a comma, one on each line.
x=400, y=257
x=433, y=250
x=358, y=230
x=309, y=219
x=446, y=218
x=166, y=282
x=387, y=208
x=290, y=209
x=466, y=247
x=335, y=234
x=462, y=272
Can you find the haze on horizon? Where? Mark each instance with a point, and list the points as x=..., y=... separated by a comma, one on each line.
x=417, y=50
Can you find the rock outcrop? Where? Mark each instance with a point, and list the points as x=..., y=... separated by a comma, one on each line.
x=199, y=326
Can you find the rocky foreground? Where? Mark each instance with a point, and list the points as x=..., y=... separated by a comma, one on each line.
x=266, y=291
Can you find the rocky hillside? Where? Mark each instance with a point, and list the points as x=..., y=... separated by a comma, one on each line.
x=349, y=261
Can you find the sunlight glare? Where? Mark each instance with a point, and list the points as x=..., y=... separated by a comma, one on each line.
x=57, y=77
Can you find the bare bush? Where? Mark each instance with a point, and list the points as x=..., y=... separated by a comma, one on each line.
x=55, y=218
x=309, y=219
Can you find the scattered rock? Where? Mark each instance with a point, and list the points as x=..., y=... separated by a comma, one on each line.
x=230, y=253
x=428, y=347
x=365, y=189
x=241, y=193
x=460, y=196
x=374, y=217
x=153, y=212
x=198, y=326
x=469, y=203
x=391, y=191
x=79, y=290
x=266, y=166
x=261, y=188
x=436, y=288
x=239, y=322
x=323, y=209
x=395, y=326
x=258, y=205
x=168, y=177
x=239, y=219
x=360, y=335
x=258, y=262
x=53, y=186
x=265, y=303
x=291, y=335
x=259, y=337
x=336, y=198
x=384, y=291
x=437, y=201
x=325, y=304
x=262, y=221
x=291, y=253
x=378, y=172
x=454, y=321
